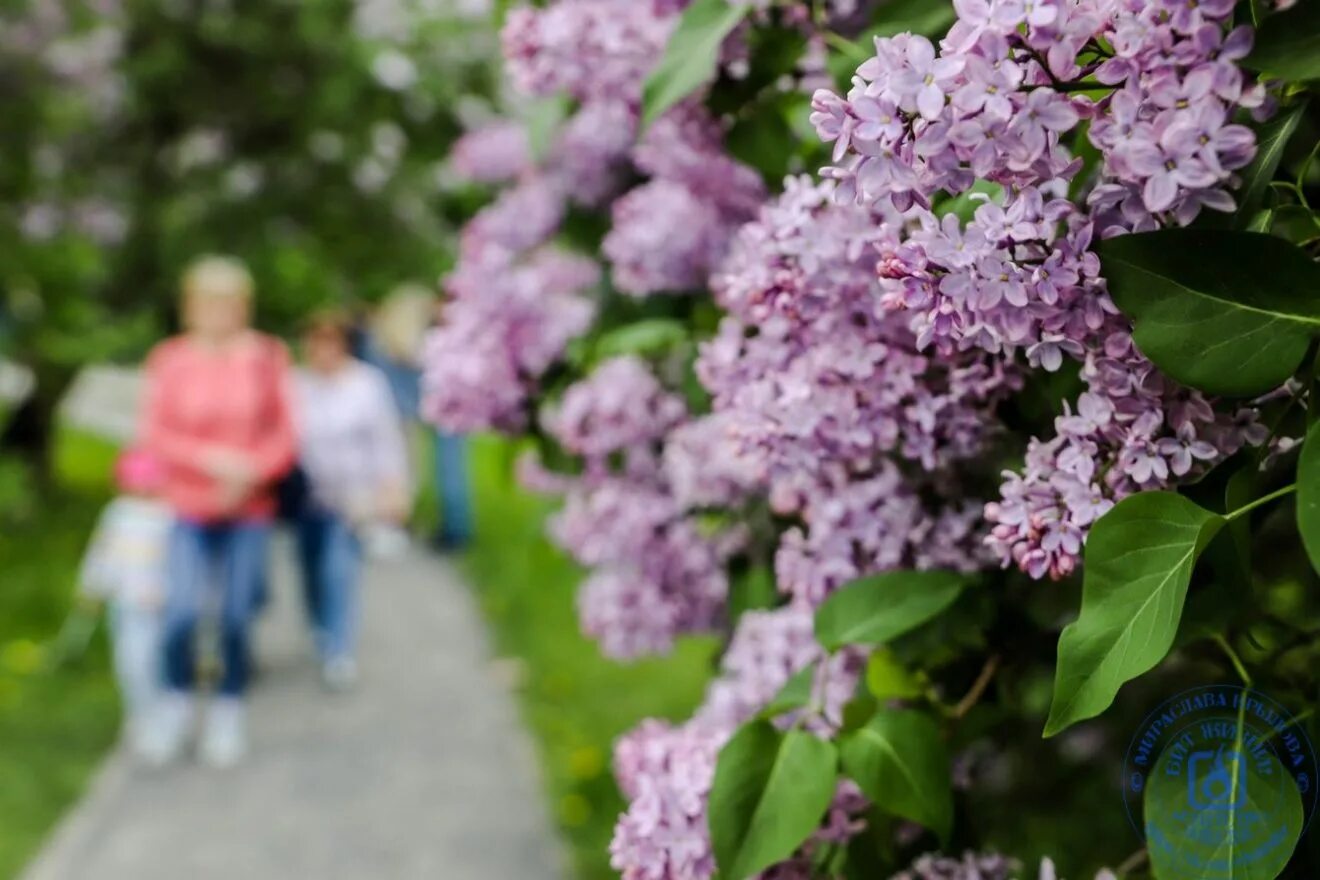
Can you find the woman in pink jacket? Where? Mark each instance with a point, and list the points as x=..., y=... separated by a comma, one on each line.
x=218, y=417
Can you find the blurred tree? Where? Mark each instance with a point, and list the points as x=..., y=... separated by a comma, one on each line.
x=305, y=136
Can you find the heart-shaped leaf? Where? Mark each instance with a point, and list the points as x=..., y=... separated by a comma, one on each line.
x=1227, y=312
x=875, y=609
x=1271, y=139
x=1308, y=495
x=1288, y=44
x=1224, y=810
x=899, y=761
x=887, y=679
x=770, y=792
x=1139, y=561
x=691, y=56
x=795, y=694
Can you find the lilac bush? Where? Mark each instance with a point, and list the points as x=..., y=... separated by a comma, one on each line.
x=1038, y=316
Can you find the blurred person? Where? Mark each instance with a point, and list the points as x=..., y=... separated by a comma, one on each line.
x=125, y=568
x=218, y=415
x=355, y=460
x=393, y=341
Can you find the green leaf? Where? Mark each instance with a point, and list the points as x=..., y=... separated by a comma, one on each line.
x=1288, y=44
x=875, y=609
x=763, y=139
x=543, y=120
x=1271, y=140
x=752, y=589
x=795, y=694
x=1246, y=830
x=858, y=711
x=918, y=16
x=649, y=336
x=1138, y=563
x=691, y=56
x=964, y=205
x=770, y=792
x=899, y=761
x=1227, y=312
x=887, y=679
x=1295, y=223
x=1308, y=495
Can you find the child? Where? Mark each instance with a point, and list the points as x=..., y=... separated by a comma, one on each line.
x=125, y=566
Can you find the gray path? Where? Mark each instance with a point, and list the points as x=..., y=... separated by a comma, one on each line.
x=422, y=772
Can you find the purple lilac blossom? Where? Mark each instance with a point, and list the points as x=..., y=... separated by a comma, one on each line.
x=504, y=326
x=665, y=238
x=655, y=574
x=823, y=391
x=620, y=405
x=669, y=234
x=495, y=153
x=521, y=218
x=591, y=153
x=665, y=770
x=1020, y=278
x=977, y=866
x=591, y=49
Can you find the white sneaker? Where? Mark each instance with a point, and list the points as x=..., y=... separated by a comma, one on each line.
x=164, y=733
x=339, y=674
x=224, y=739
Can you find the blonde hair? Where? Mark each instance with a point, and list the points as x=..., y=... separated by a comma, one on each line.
x=400, y=322
x=218, y=276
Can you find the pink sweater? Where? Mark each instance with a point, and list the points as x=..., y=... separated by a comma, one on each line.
x=198, y=399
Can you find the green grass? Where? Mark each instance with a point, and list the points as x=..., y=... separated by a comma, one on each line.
x=574, y=700
x=55, y=723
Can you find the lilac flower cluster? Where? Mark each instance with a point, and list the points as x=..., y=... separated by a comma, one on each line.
x=1020, y=276
x=520, y=219
x=619, y=406
x=506, y=323
x=666, y=770
x=858, y=525
x=1134, y=429
x=977, y=866
x=669, y=234
x=590, y=155
x=495, y=153
x=655, y=573
x=823, y=392
x=589, y=49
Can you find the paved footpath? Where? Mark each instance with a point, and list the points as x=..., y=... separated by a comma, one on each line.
x=422, y=772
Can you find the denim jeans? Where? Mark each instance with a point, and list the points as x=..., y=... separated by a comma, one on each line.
x=451, y=484
x=331, y=557
x=135, y=632
x=209, y=562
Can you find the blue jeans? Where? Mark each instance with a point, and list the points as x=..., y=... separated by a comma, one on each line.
x=452, y=490
x=136, y=636
x=331, y=557
x=232, y=556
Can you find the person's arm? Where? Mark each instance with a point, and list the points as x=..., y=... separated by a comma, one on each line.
x=389, y=447
x=276, y=452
